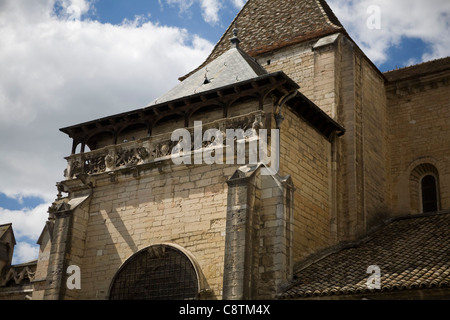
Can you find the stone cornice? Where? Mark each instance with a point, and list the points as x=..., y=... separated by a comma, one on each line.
x=418, y=84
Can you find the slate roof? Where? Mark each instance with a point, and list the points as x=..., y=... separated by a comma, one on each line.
x=5, y=228
x=421, y=69
x=412, y=253
x=231, y=67
x=265, y=26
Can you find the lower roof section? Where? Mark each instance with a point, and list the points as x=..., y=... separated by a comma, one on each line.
x=411, y=253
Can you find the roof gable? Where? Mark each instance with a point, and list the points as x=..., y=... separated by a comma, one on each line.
x=7, y=243
x=7, y=231
x=264, y=26
x=232, y=67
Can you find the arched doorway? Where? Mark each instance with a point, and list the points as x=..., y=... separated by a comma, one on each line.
x=429, y=194
x=161, y=272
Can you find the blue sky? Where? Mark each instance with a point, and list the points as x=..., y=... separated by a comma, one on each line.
x=20, y=203
x=115, y=12
x=408, y=49
x=68, y=61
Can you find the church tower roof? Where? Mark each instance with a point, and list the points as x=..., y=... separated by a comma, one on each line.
x=265, y=26
x=231, y=67
x=231, y=71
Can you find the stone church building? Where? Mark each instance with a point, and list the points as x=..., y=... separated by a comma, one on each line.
x=353, y=201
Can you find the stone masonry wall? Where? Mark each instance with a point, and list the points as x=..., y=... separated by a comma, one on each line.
x=185, y=206
x=154, y=203
x=297, y=62
x=333, y=73
x=375, y=145
x=419, y=134
x=306, y=156
x=363, y=195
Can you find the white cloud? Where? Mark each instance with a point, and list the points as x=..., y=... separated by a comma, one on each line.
x=425, y=20
x=25, y=252
x=58, y=72
x=74, y=9
x=238, y=4
x=183, y=5
x=210, y=8
x=161, y=5
x=27, y=223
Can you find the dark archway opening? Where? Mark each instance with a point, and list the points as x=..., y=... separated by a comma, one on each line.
x=157, y=273
x=429, y=194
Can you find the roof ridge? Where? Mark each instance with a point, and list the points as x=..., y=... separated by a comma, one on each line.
x=5, y=224
x=417, y=65
x=417, y=216
x=231, y=67
x=266, y=27
x=252, y=62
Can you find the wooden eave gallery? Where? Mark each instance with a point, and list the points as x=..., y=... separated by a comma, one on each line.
x=278, y=84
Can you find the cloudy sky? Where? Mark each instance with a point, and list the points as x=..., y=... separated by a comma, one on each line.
x=63, y=62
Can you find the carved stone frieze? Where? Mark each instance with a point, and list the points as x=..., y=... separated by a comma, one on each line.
x=17, y=274
x=95, y=165
x=163, y=149
x=136, y=153
x=75, y=168
x=131, y=157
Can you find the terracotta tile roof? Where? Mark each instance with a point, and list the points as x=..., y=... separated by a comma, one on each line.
x=266, y=25
x=421, y=69
x=412, y=253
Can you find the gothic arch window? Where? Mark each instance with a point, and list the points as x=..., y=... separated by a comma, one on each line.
x=429, y=193
x=424, y=188
x=160, y=272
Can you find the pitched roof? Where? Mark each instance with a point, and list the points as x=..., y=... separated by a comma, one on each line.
x=264, y=26
x=412, y=253
x=4, y=228
x=421, y=69
x=232, y=67
x=7, y=240
x=233, y=72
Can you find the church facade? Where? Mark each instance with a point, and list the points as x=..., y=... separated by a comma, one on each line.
x=286, y=166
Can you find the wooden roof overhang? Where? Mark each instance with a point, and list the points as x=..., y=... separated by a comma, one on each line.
x=316, y=117
x=277, y=84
